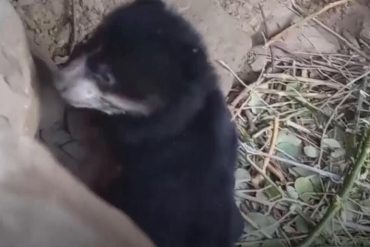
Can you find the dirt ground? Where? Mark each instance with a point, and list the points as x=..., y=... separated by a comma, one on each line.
x=234, y=31
x=229, y=27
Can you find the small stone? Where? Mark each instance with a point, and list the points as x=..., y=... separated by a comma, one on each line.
x=260, y=56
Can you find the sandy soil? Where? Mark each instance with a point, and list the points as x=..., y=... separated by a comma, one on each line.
x=53, y=27
x=231, y=28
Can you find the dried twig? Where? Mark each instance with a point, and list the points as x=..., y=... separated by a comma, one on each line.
x=311, y=81
x=267, y=34
x=343, y=195
x=306, y=19
x=306, y=167
x=337, y=35
x=276, y=170
x=335, y=112
x=360, y=102
x=227, y=67
x=275, y=133
x=303, y=91
x=267, y=178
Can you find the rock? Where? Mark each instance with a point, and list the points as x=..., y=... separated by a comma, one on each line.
x=17, y=74
x=43, y=205
x=309, y=39
x=258, y=56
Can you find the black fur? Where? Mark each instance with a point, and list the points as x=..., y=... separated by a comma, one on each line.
x=178, y=161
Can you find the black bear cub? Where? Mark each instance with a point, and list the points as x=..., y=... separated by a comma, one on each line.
x=165, y=120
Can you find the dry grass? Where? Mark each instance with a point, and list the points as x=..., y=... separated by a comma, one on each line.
x=301, y=124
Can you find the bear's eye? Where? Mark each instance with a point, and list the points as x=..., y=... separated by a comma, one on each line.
x=104, y=80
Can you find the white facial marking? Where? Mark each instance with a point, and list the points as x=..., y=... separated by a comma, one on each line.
x=76, y=88
x=127, y=104
x=81, y=91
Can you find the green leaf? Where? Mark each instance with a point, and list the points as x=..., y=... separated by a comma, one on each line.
x=287, y=136
x=316, y=183
x=260, y=195
x=338, y=153
x=265, y=222
x=302, y=186
x=289, y=144
x=338, y=160
x=272, y=193
x=255, y=102
x=289, y=229
x=292, y=193
x=290, y=149
x=311, y=151
x=242, y=174
x=301, y=224
x=330, y=143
